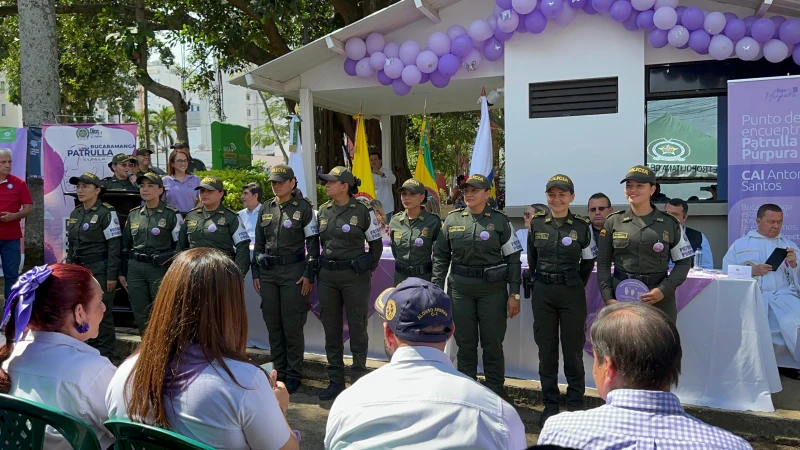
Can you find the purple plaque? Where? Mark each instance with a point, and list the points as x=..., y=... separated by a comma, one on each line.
x=630, y=290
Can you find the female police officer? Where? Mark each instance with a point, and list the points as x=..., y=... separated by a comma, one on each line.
x=148, y=242
x=283, y=274
x=561, y=252
x=93, y=241
x=484, y=251
x=640, y=241
x=412, y=234
x=344, y=275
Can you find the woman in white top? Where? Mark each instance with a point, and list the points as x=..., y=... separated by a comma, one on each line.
x=522, y=234
x=377, y=206
x=191, y=373
x=61, y=305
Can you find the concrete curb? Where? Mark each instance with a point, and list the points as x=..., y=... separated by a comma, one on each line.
x=781, y=427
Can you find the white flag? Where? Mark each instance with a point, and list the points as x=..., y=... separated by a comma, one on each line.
x=482, y=151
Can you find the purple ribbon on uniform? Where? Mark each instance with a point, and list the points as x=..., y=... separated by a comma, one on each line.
x=25, y=289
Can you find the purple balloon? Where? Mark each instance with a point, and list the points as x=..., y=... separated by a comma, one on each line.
x=427, y=61
x=461, y=45
x=620, y=11
x=678, y=36
x=493, y=49
x=730, y=16
x=630, y=23
x=375, y=43
x=577, y=3
x=778, y=21
x=645, y=20
x=762, y=30
x=796, y=54
x=552, y=8
x=789, y=32
x=411, y=75
x=748, y=22
x=479, y=30
x=662, y=3
x=521, y=26
x=497, y=10
x=499, y=34
x=439, y=43
x=714, y=23
x=439, y=80
x=658, y=38
x=566, y=17
x=409, y=50
x=391, y=50
x=364, y=69
x=588, y=8
x=692, y=18
x=355, y=48
x=350, y=67
x=735, y=29
x=523, y=6
x=400, y=88
x=492, y=20
x=472, y=61
x=393, y=68
x=504, y=4
x=536, y=22
x=747, y=49
x=455, y=31
x=775, y=51
x=383, y=79
x=377, y=60
x=699, y=41
x=508, y=21
x=450, y=63
x=721, y=47
x=642, y=5
x=425, y=78
x=665, y=18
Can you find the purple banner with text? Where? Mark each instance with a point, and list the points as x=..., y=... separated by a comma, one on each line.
x=763, y=163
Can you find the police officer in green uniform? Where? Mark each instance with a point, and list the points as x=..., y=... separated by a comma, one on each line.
x=413, y=233
x=124, y=168
x=143, y=158
x=345, y=224
x=639, y=241
x=148, y=242
x=93, y=241
x=484, y=279
x=283, y=274
x=214, y=225
x=195, y=165
x=561, y=253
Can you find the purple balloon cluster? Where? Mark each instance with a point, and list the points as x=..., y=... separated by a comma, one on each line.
x=720, y=35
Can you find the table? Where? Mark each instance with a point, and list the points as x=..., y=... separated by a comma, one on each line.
x=728, y=359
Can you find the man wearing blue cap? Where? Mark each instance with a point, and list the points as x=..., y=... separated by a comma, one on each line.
x=419, y=398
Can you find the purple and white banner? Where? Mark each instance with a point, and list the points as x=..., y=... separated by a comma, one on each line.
x=763, y=163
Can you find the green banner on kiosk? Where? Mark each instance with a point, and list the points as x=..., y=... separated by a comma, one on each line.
x=676, y=150
x=230, y=146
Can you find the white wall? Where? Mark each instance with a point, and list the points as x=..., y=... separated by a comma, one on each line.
x=13, y=113
x=595, y=151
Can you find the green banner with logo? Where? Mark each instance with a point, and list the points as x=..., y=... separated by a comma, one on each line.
x=8, y=134
x=230, y=145
x=676, y=150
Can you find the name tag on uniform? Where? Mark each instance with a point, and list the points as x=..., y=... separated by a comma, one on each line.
x=134, y=224
x=398, y=234
x=541, y=235
x=619, y=235
x=191, y=223
x=266, y=217
x=73, y=220
x=456, y=229
x=323, y=221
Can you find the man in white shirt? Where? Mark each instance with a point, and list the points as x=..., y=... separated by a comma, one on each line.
x=252, y=195
x=779, y=288
x=383, y=179
x=419, y=400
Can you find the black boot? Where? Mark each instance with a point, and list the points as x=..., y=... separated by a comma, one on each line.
x=292, y=385
x=549, y=411
x=331, y=392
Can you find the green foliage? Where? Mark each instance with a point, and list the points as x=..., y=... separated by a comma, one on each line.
x=262, y=135
x=163, y=128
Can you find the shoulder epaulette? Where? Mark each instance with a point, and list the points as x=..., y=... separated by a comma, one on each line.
x=134, y=208
x=173, y=209
x=616, y=212
x=455, y=210
x=397, y=214
x=671, y=216
x=365, y=203
x=326, y=204
x=196, y=208
x=582, y=218
x=540, y=214
x=109, y=206
x=500, y=211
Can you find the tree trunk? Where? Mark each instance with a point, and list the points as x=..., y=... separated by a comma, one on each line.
x=329, y=137
x=40, y=88
x=399, y=162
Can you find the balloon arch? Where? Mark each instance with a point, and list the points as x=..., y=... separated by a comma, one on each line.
x=720, y=35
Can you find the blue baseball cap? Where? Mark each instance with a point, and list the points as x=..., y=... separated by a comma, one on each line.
x=414, y=305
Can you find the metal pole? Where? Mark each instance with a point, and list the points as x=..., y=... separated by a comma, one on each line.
x=147, y=122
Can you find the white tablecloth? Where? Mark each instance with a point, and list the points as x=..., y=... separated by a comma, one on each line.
x=728, y=358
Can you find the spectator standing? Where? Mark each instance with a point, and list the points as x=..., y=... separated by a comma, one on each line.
x=192, y=374
x=252, y=196
x=419, y=399
x=52, y=364
x=195, y=165
x=383, y=179
x=143, y=156
x=680, y=209
x=637, y=359
x=180, y=185
x=599, y=209
x=457, y=199
x=15, y=204
x=522, y=234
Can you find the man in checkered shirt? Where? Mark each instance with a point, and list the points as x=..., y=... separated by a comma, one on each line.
x=637, y=359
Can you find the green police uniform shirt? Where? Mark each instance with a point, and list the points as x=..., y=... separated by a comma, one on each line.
x=558, y=245
x=95, y=232
x=287, y=229
x=343, y=229
x=220, y=229
x=152, y=231
x=113, y=183
x=412, y=239
x=477, y=240
x=643, y=246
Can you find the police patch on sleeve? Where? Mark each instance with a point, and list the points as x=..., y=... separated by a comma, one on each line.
x=240, y=234
x=512, y=245
x=683, y=250
x=112, y=230
x=590, y=251
x=312, y=229
x=177, y=230
x=373, y=233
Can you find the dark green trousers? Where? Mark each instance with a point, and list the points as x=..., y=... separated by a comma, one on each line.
x=338, y=291
x=480, y=312
x=143, y=282
x=285, y=310
x=106, y=340
x=560, y=309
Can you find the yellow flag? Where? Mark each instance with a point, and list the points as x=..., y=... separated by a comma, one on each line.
x=361, y=167
x=424, y=171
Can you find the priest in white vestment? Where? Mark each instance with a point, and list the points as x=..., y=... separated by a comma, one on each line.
x=779, y=288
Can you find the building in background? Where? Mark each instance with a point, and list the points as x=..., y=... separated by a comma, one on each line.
x=10, y=114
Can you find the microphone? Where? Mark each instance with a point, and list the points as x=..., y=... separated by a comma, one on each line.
x=132, y=178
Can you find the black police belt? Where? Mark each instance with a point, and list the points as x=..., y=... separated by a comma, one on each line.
x=550, y=278
x=650, y=279
x=488, y=273
x=156, y=259
x=413, y=270
x=89, y=259
x=285, y=259
x=335, y=264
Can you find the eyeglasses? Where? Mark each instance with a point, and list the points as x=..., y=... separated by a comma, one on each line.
x=181, y=161
x=599, y=208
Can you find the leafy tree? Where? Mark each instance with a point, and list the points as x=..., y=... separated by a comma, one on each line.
x=163, y=127
x=263, y=135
